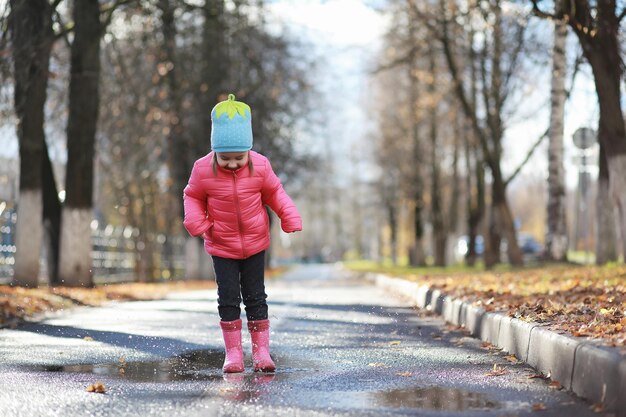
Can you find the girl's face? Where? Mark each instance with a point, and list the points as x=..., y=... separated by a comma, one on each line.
x=232, y=160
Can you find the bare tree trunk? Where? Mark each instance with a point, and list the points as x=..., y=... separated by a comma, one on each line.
x=30, y=26
x=436, y=210
x=214, y=70
x=491, y=239
x=453, y=212
x=476, y=205
x=597, y=26
x=51, y=217
x=75, y=254
x=393, y=230
x=475, y=196
x=178, y=143
x=606, y=250
x=504, y=219
x=601, y=47
x=612, y=136
x=490, y=139
x=417, y=256
x=500, y=206
x=617, y=174
x=556, y=237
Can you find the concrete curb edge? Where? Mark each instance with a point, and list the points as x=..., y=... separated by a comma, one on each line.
x=593, y=372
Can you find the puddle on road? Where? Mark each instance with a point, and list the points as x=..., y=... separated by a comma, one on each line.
x=202, y=365
x=206, y=365
x=192, y=366
x=434, y=398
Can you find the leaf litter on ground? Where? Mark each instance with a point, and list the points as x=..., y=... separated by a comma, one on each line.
x=18, y=304
x=582, y=301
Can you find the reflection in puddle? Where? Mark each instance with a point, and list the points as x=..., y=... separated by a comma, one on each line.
x=200, y=365
x=206, y=365
x=435, y=398
x=192, y=366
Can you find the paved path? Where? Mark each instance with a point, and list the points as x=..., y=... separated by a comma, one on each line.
x=342, y=347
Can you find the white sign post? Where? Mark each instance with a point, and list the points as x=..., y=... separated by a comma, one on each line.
x=584, y=138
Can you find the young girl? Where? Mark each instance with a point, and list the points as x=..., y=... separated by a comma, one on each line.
x=224, y=203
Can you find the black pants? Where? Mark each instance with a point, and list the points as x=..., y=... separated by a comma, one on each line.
x=241, y=277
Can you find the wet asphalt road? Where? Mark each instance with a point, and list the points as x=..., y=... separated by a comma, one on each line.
x=342, y=347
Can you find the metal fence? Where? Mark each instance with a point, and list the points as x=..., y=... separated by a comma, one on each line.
x=120, y=253
x=7, y=242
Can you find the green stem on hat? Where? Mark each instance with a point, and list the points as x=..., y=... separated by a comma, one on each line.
x=231, y=107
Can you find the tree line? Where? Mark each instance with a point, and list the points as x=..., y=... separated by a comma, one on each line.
x=135, y=81
x=450, y=81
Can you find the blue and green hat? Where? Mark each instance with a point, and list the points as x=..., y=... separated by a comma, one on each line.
x=231, y=126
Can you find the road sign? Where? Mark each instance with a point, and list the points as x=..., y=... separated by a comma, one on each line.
x=584, y=137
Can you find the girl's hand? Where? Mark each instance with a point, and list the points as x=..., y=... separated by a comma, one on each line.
x=206, y=235
x=297, y=229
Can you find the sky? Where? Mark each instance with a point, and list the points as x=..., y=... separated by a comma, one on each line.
x=345, y=36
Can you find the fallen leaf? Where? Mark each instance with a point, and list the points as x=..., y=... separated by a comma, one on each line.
x=489, y=346
x=394, y=342
x=538, y=406
x=407, y=374
x=376, y=364
x=511, y=358
x=97, y=388
x=597, y=408
x=88, y=339
x=555, y=385
x=497, y=371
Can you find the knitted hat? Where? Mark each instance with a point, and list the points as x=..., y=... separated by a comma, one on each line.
x=231, y=126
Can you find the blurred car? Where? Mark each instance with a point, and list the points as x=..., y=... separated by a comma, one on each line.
x=529, y=246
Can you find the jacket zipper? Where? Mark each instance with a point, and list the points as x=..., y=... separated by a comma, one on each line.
x=243, y=246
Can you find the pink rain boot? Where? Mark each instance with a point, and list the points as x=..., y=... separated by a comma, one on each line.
x=231, y=330
x=260, y=333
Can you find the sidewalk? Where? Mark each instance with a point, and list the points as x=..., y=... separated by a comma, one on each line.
x=596, y=373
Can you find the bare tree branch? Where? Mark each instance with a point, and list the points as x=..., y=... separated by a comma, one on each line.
x=621, y=15
x=531, y=151
x=65, y=29
x=514, y=60
x=540, y=13
x=402, y=60
x=469, y=110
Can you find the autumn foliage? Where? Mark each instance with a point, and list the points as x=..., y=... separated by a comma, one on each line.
x=583, y=301
x=18, y=304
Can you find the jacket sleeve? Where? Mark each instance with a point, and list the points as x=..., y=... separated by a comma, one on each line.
x=275, y=196
x=194, y=201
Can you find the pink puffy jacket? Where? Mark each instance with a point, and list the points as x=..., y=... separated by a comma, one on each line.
x=228, y=210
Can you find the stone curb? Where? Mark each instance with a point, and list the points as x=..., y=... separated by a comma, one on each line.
x=593, y=372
